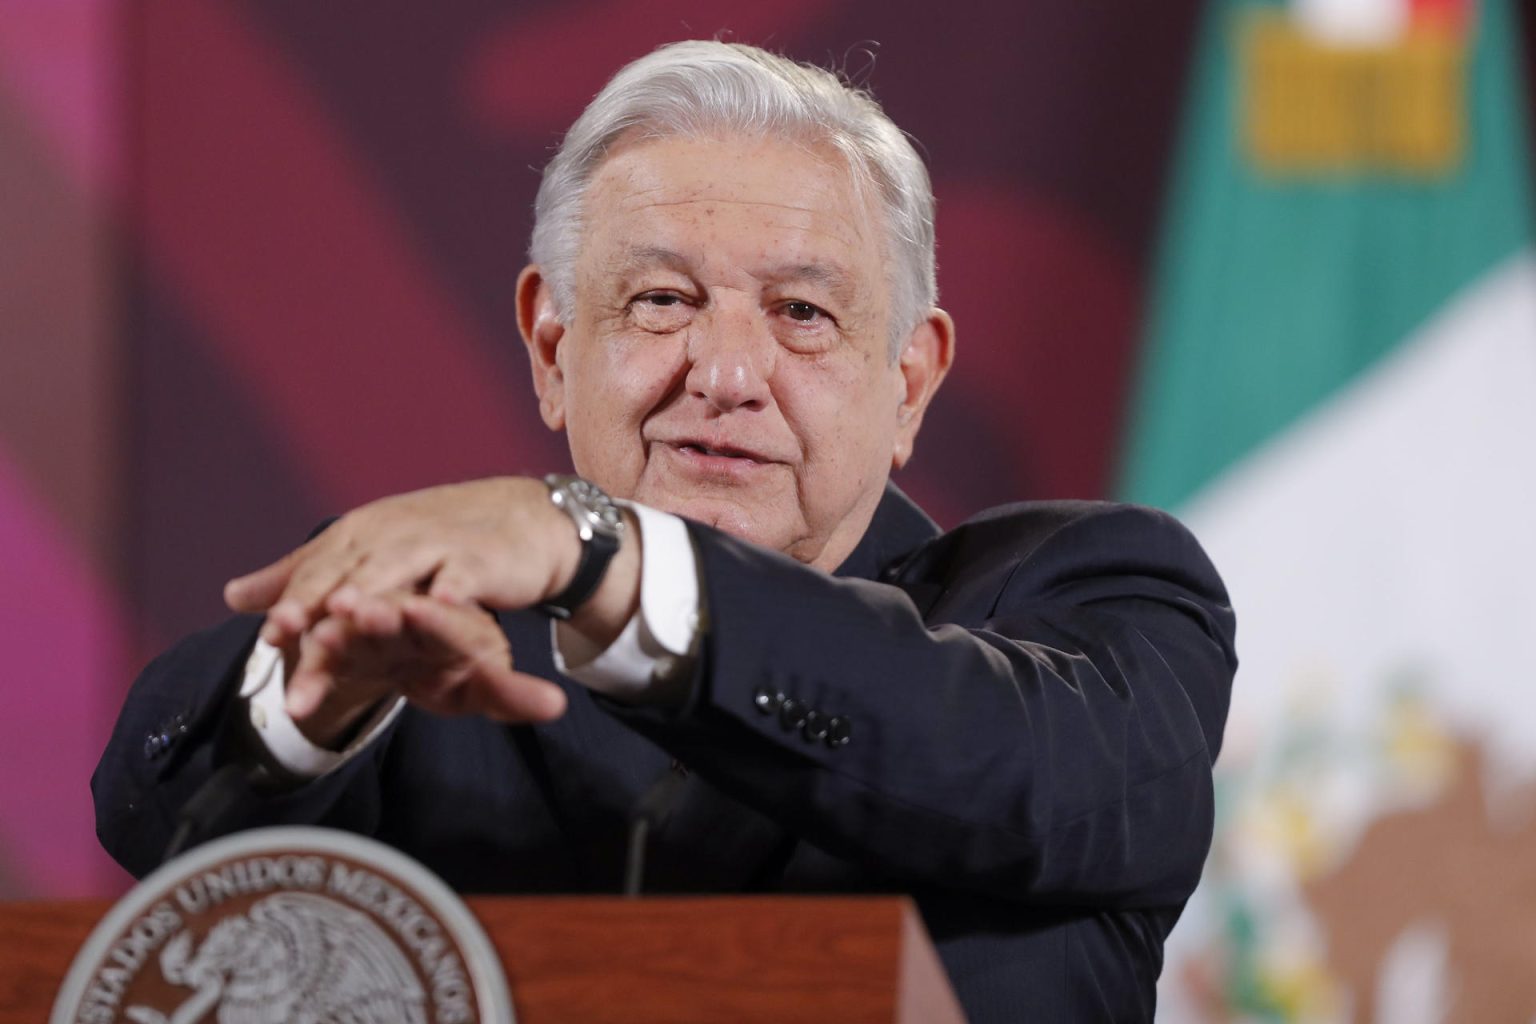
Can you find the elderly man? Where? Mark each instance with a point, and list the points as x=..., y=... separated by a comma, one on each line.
x=730, y=313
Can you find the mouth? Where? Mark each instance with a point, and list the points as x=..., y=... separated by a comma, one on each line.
x=698, y=448
x=716, y=460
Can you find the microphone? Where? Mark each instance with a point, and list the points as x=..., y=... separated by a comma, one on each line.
x=205, y=807
x=651, y=809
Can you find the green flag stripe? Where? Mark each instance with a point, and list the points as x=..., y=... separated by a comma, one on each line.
x=1271, y=294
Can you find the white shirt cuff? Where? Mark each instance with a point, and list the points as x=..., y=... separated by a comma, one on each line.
x=658, y=643
x=263, y=690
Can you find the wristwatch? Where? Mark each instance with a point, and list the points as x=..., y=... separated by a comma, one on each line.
x=599, y=524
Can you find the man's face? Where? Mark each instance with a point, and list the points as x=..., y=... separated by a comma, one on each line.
x=727, y=355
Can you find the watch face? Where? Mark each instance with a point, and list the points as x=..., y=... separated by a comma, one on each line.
x=610, y=514
x=596, y=504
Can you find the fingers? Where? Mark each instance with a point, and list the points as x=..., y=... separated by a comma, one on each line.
x=311, y=680
x=511, y=697
x=257, y=591
x=407, y=565
x=455, y=584
x=497, y=541
x=489, y=684
x=302, y=603
x=373, y=615
x=338, y=676
x=447, y=659
x=339, y=580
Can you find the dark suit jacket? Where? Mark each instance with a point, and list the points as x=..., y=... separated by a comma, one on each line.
x=1032, y=704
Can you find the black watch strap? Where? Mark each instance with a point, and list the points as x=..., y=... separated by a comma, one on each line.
x=599, y=524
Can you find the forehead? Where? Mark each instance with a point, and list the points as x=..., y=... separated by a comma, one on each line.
x=757, y=201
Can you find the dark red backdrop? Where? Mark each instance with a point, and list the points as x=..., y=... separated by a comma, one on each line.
x=330, y=208
x=256, y=266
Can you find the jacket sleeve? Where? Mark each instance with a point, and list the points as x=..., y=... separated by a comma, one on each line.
x=176, y=728
x=1032, y=704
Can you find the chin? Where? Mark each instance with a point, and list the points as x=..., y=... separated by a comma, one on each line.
x=743, y=527
x=731, y=518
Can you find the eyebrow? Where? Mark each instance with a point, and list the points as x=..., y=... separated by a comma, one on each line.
x=646, y=256
x=834, y=278
x=831, y=276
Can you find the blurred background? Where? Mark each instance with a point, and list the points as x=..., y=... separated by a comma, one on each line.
x=1266, y=264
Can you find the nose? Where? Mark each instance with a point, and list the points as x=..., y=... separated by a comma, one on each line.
x=730, y=356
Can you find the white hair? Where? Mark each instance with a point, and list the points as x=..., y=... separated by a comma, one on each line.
x=699, y=88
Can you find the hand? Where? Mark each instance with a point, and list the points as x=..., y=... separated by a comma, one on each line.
x=448, y=659
x=499, y=542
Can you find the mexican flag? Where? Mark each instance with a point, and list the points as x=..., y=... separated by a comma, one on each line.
x=1338, y=395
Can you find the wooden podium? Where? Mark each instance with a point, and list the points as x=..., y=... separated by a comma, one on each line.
x=594, y=960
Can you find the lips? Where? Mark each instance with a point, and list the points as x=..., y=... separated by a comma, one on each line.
x=722, y=452
x=715, y=448
x=717, y=460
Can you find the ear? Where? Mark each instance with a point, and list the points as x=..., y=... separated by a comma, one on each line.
x=923, y=363
x=542, y=332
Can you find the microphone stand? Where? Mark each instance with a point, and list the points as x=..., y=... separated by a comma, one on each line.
x=651, y=809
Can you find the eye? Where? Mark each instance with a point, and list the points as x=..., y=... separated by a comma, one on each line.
x=660, y=311
x=804, y=312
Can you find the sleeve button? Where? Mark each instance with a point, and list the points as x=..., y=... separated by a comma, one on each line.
x=839, y=732
x=792, y=713
x=816, y=726
x=163, y=739
x=767, y=701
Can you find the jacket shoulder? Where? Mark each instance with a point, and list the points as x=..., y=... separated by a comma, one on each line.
x=1068, y=531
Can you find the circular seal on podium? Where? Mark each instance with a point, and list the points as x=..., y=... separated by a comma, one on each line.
x=287, y=924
